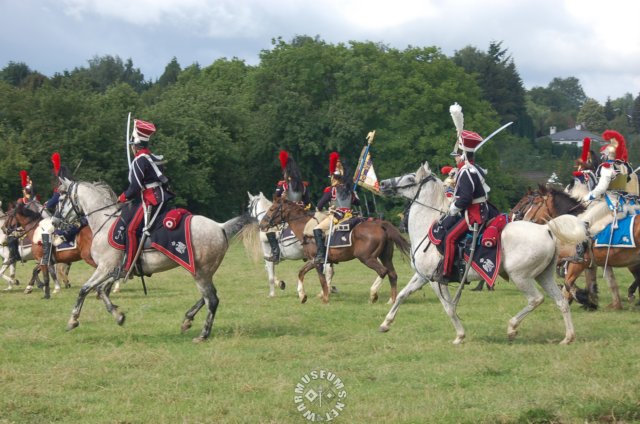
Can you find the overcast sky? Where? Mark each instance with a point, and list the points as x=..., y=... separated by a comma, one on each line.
x=596, y=41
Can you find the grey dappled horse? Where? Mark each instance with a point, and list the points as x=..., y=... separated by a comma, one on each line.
x=210, y=243
x=290, y=249
x=529, y=252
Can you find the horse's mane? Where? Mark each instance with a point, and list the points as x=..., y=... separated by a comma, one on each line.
x=564, y=203
x=106, y=195
x=28, y=213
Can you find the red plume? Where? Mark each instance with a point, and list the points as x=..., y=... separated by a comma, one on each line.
x=23, y=177
x=621, y=150
x=586, y=146
x=55, y=158
x=446, y=169
x=333, y=162
x=284, y=158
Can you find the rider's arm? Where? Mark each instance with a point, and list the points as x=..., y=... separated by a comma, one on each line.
x=326, y=197
x=606, y=175
x=138, y=168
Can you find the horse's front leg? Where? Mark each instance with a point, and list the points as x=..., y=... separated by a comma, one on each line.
x=570, y=291
x=45, y=281
x=414, y=285
x=55, y=276
x=616, y=303
x=305, y=268
x=98, y=276
x=11, y=279
x=323, y=283
x=442, y=291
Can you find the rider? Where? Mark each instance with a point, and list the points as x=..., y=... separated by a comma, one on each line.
x=612, y=172
x=587, y=165
x=293, y=188
x=470, y=198
x=341, y=196
x=65, y=231
x=147, y=190
x=13, y=235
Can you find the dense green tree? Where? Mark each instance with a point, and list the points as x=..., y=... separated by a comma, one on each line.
x=635, y=114
x=592, y=116
x=170, y=74
x=15, y=73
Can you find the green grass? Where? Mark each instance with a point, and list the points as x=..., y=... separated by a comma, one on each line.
x=148, y=372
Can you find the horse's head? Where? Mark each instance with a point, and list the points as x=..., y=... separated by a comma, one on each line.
x=258, y=205
x=407, y=185
x=275, y=215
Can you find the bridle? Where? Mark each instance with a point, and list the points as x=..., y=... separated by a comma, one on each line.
x=72, y=195
x=394, y=185
x=253, y=208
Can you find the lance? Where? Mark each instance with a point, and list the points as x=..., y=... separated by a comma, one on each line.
x=364, y=158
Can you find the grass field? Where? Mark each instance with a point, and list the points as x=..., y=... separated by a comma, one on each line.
x=261, y=348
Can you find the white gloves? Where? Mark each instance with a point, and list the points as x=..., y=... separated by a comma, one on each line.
x=588, y=197
x=453, y=210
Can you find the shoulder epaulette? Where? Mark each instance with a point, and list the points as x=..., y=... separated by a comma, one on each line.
x=327, y=189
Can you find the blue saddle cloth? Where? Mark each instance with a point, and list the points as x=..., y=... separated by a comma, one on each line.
x=622, y=236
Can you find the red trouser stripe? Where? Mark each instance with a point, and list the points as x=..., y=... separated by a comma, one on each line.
x=450, y=242
x=132, y=239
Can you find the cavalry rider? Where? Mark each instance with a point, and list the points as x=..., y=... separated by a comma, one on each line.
x=340, y=195
x=147, y=190
x=293, y=188
x=612, y=172
x=65, y=230
x=470, y=199
x=587, y=165
x=13, y=236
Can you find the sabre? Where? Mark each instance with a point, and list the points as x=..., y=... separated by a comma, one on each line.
x=613, y=224
x=326, y=254
x=493, y=133
x=126, y=141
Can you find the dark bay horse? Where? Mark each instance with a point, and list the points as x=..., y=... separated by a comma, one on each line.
x=546, y=203
x=372, y=242
x=32, y=222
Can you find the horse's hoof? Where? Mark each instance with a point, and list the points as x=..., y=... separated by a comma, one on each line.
x=383, y=328
x=73, y=324
x=186, y=325
x=67, y=285
x=28, y=290
x=120, y=320
x=615, y=306
x=304, y=299
x=373, y=298
x=17, y=282
x=46, y=296
x=56, y=290
x=511, y=335
x=282, y=285
x=334, y=289
x=631, y=298
x=198, y=340
x=9, y=288
x=458, y=340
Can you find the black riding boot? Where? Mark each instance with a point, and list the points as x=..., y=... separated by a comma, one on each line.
x=320, y=246
x=581, y=248
x=46, y=249
x=275, y=248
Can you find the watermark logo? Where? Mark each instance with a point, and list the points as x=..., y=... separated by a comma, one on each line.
x=320, y=395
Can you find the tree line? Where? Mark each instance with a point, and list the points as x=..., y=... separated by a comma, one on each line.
x=220, y=127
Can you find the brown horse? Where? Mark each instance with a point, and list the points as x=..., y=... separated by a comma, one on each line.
x=29, y=220
x=372, y=242
x=547, y=203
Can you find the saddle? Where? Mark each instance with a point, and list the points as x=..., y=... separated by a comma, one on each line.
x=173, y=242
x=341, y=236
x=487, y=255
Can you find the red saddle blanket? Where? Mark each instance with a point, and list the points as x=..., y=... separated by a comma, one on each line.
x=175, y=243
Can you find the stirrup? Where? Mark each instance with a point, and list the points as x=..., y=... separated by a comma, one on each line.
x=273, y=258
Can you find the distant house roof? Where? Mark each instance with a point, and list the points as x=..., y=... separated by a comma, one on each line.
x=572, y=136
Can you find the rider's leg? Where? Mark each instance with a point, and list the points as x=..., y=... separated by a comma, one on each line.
x=275, y=248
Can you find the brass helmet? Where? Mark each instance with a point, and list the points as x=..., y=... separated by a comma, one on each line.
x=336, y=170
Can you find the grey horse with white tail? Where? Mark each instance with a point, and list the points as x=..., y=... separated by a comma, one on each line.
x=210, y=242
x=529, y=252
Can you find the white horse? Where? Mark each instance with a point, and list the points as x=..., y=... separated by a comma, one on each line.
x=528, y=251
x=210, y=242
x=290, y=249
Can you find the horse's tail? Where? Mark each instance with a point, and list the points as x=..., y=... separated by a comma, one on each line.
x=394, y=234
x=234, y=225
x=568, y=229
x=250, y=236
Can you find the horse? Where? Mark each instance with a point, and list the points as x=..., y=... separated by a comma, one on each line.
x=372, y=242
x=290, y=249
x=210, y=241
x=549, y=203
x=528, y=251
x=35, y=225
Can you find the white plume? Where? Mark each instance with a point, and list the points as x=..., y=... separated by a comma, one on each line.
x=458, y=118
